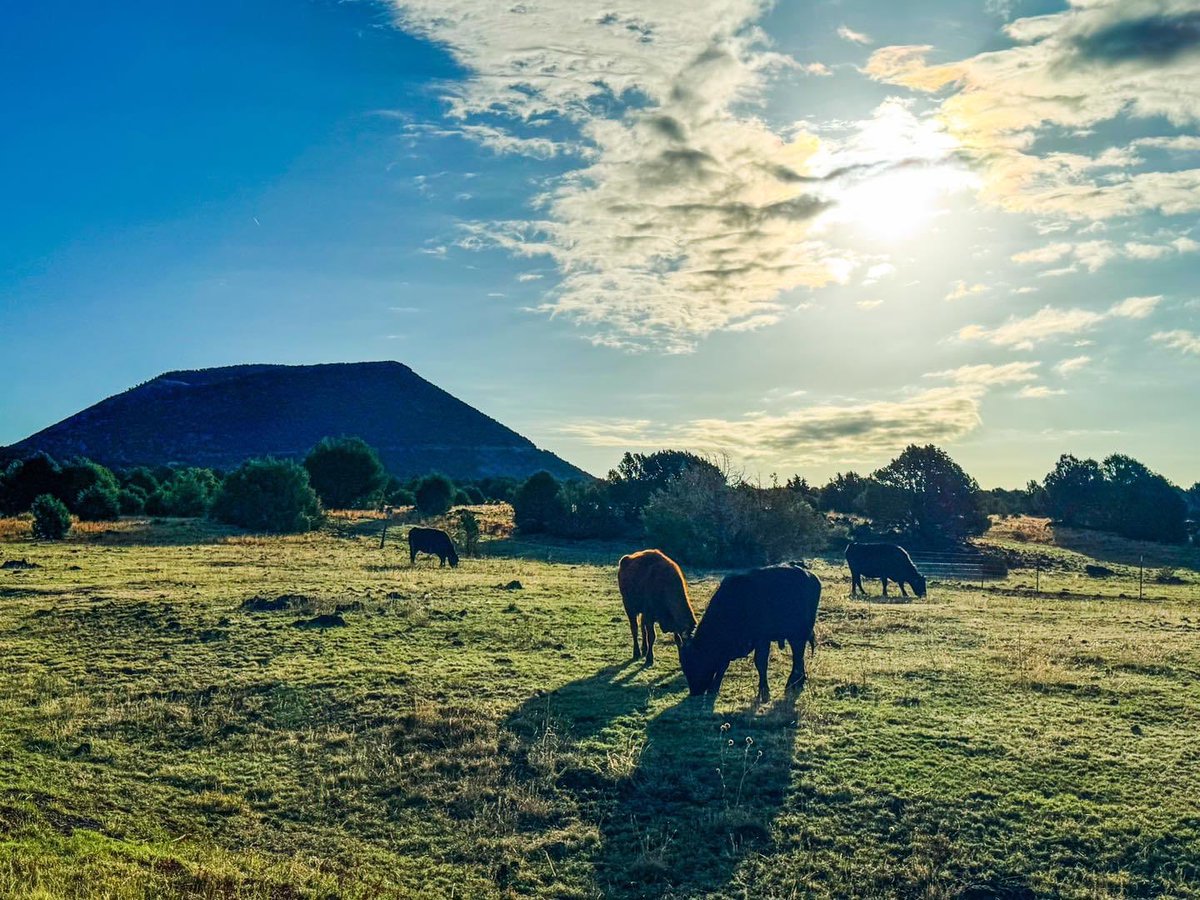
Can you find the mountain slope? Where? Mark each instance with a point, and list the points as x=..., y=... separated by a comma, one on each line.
x=221, y=417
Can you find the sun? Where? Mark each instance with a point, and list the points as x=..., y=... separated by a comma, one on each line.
x=895, y=206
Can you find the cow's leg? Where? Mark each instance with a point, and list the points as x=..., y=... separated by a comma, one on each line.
x=648, y=640
x=412, y=556
x=855, y=584
x=715, y=687
x=797, y=676
x=885, y=581
x=762, y=654
x=902, y=590
x=633, y=627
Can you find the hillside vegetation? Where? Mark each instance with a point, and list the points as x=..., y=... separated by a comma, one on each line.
x=169, y=727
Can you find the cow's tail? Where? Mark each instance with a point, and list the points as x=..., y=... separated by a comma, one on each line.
x=812, y=640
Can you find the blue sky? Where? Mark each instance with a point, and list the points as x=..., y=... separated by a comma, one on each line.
x=804, y=235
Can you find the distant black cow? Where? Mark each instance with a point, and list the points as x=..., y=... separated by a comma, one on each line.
x=749, y=611
x=883, y=561
x=433, y=541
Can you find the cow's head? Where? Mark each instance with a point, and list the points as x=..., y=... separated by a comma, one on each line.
x=918, y=584
x=696, y=670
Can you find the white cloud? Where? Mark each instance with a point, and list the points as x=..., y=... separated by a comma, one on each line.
x=1179, y=339
x=989, y=375
x=1039, y=392
x=1049, y=321
x=878, y=271
x=1135, y=307
x=1070, y=366
x=1095, y=254
x=1068, y=72
x=690, y=214
x=855, y=37
x=1050, y=253
x=868, y=304
x=961, y=289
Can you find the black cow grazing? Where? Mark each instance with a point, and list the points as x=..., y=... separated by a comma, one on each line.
x=433, y=541
x=883, y=561
x=748, y=612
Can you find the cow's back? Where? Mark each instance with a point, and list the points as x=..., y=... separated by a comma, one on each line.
x=875, y=560
x=652, y=584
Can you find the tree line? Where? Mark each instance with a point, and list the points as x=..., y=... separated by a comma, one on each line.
x=266, y=494
x=690, y=505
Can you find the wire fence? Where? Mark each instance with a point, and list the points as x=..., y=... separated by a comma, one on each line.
x=1044, y=577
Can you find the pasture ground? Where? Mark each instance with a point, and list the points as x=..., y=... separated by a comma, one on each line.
x=158, y=738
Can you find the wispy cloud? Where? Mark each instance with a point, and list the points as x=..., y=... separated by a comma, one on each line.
x=690, y=214
x=1092, y=255
x=846, y=33
x=1070, y=366
x=829, y=433
x=1049, y=322
x=961, y=290
x=1039, y=392
x=987, y=375
x=1179, y=339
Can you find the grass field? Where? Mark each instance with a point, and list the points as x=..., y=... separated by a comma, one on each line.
x=159, y=738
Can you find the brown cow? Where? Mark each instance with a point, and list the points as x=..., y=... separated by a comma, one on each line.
x=653, y=587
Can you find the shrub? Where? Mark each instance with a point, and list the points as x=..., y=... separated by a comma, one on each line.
x=468, y=532
x=639, y=475
x=499, y=489
x=141, y=478
x=474, y=495
x=99, y=503
x=843, y=493
x=587, y=511
x=345, y=472
x=51, y=518
x=433, y=495
x=131, y=500
x=462, y=498
x=402, y=497
x=80, y=475
x=188, y=492
x=26, y=479
x=699, y=518
x=268, y=495
x=537, y=504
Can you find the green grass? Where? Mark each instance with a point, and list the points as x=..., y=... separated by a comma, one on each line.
x=459, y=739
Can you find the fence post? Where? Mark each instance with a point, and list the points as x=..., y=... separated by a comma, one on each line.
x=1037, y=579
x=383, y=534
x=1141, y=574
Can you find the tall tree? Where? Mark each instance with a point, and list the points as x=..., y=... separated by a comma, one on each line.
x=934, y=498
x=1074, y=491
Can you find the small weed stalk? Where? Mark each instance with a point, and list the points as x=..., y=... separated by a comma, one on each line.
x=748, y=764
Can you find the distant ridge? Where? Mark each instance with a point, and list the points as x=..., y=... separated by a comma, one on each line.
x=221, y=417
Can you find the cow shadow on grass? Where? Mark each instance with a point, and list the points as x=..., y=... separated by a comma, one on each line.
x=679, y=794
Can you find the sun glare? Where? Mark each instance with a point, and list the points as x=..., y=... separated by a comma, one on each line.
x=898, y=205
